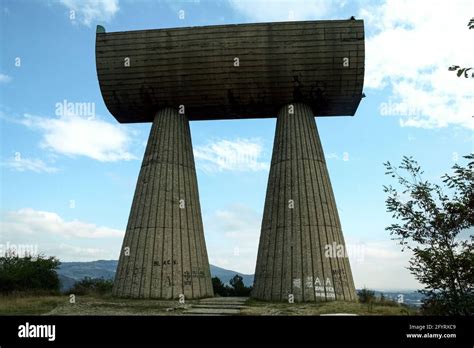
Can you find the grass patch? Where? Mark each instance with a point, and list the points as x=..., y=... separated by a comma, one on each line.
x=256, y=307
x=24, y=304
x=21, y=304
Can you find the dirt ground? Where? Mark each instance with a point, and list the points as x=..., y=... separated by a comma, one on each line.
x=106, y=305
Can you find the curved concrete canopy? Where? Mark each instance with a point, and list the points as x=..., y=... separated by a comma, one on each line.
x=232, y=71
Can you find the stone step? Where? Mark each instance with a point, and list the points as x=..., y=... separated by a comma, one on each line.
x=212, y=311
x=220, y=305
x=222, y=298
x=239, y=300
x=205, y=314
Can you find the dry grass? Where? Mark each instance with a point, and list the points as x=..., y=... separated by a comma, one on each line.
x=85, y=305
x=29, y=304
x=267, y=308
x=106, y=305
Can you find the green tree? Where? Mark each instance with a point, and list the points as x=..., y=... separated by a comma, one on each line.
x=433, y=223
x=28, y=273
x=366, y=296
x=239, y=287
x=236, y=288
x=219, y=287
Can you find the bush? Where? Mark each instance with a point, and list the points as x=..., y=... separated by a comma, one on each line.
x=219, y=288
x=92, y=286
x=28, y=274
x=366, y=296
x=237, y=287
x=382, y=300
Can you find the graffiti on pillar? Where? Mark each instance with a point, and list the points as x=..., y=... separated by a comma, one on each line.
x=325, y=290
x=309, y=282
x=195, y=273
x=187, y=279
x=297, y=283
x=167, y=262
x=136, y=270
x=329, y=289
x=318, y=288
x=340, y=280
x=340, y=274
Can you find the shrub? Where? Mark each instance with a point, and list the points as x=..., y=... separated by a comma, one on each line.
x=366, y=295
x=92, y=286
x=237, y=287
x=28, y=273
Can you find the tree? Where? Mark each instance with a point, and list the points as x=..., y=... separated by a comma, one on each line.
x=434, y=226
x=366, y=296
x=236, y=288
x=239, y=287
x=28, y=273
x=219, y=287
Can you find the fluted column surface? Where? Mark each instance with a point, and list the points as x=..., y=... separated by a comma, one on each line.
x=300, y=219
x=164, y=253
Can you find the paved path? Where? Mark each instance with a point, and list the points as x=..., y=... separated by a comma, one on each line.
x=217, y=306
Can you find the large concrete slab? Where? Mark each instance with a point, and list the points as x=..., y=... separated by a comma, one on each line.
x=232, y=71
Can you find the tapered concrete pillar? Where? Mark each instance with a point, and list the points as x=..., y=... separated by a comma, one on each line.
x=164, y=253
x=301, y=232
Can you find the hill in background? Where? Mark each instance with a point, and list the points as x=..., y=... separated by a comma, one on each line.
x=70, y=272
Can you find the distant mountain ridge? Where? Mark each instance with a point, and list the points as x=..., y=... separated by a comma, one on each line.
x=70, y=272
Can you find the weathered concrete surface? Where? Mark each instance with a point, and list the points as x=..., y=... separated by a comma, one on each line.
x=164, y=253
x=232, y=71
x=300, y=219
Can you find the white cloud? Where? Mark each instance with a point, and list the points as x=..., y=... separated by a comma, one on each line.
x=68, y=252
x=335, y=156
x=282, y=10
x=381, y=265
x=232, y=236
x=409, y=46
x=47, y=233
x=80, y=136
x=36, y=223
x=5, y=78
x=88, y=11
x=36, y=165
x=238, y=155
x=376, y=264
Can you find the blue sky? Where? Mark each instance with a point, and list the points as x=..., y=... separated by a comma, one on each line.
x=67, y=181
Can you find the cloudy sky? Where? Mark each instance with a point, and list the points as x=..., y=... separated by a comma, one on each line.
x=67, y=181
